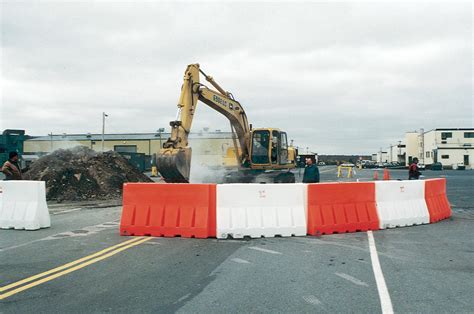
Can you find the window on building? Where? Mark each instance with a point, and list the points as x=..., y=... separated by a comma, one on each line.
x=446, y=135
x=468, y=134
x=125, y=148
x=427, y=154
x=444, y=156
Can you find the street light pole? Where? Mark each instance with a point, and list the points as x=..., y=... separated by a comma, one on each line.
x=51, y=138
x=160, y=130
x=399, y=158
x=103, y=129
x=422, y=137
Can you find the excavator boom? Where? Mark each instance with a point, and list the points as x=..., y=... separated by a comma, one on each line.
x=174, y=160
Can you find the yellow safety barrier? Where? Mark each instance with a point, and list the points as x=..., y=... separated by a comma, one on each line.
x=350, y=171
x=154, y=171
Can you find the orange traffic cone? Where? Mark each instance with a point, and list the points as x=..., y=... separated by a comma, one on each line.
x=386, y=174
x=376, y=175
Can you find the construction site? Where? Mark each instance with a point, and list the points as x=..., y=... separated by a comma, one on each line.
x=277, y=196
x=249, y=191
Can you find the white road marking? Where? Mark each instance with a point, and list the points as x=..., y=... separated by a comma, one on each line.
x=240, y=261
x=83, y=232
x=329, y=170
x=184, y=297
x=152, y=243
x=385, y=301
x=66, y=211
x=331, y=242
x=256, y=248
x=352, y=279
x=87, y=231
x=311, y=299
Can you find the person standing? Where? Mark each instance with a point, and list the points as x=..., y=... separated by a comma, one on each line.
x=311, y=172
x=413, y=171
x=11, y=168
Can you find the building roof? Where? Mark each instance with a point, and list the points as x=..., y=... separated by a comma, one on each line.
x=453, y=129
x=443, y=129
x=126, y=136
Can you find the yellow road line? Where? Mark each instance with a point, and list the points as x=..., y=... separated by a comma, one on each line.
x=70, y=270
x=26, y=280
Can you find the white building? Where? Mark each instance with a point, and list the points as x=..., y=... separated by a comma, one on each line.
x=382, y=157
x=412, y=146
x=396, y=153
x=451, y=146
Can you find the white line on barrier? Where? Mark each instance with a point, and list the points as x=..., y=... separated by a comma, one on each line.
x=351, y=279
x=385, y=301
x=263, y=250
x=240, y=261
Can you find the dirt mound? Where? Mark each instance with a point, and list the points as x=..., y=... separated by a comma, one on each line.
x=82, y=174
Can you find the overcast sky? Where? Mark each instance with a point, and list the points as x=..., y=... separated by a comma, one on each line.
x=338, y=77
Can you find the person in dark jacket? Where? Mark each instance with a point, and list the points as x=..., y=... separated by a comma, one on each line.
x=413, y=171
x=311, y=172
x=11, y=168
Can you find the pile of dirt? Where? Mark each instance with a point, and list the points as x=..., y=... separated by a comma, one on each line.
x=83, y=174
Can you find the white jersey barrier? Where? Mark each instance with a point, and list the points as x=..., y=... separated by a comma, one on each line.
x=401, y=203
x=23, y=205
x=257, y=210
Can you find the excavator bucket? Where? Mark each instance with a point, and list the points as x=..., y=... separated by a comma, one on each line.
x=174, y=164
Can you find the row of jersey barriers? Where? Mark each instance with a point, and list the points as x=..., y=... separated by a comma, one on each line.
x=23, y=205
x=269, y=210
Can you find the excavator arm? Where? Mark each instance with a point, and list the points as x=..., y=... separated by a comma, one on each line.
x=174, y=160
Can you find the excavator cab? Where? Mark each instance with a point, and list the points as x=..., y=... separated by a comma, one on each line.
x=269, y=148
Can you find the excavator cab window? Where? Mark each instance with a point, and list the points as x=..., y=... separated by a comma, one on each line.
x=274, y=152
x=283, y=148
x=260, y=146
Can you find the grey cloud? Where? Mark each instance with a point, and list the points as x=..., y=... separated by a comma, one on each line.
x=339, y=77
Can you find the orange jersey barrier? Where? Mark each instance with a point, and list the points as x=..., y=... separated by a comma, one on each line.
x=155, y=209
x=436, y=199
x=341, y=207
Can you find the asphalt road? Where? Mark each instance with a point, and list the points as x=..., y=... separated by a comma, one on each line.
x=427, y=268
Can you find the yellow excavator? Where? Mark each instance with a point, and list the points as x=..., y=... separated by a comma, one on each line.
x=263, y=154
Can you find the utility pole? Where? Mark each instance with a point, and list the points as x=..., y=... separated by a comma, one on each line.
x=103, y=129
x=160, y=130
x=399, y=158
x=51, y=140
x=422, y=138
x=391, y=152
